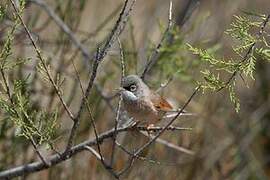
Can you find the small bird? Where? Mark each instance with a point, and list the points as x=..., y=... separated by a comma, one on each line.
x=145, y=106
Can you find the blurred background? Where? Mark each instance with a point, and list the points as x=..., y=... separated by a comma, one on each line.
x=226, y=144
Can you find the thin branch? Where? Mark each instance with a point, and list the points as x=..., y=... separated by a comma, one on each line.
x=129, y=165
x=156, y=129
x=120, y=99
x=180, y=21
x=154, y=56
x=248, y=53
x=42, y=61
x=38, y=152
x=99, y=56
x=165, y=84
x=64, y=28
x=97, y=155
x=117, y=29
x=152, y=161
x=87, y=56
x=77, y=118
x=90, y=113
x=187, y=11
x=8, y=92
x=137, y=157
x=56, y=158
x=175, y=147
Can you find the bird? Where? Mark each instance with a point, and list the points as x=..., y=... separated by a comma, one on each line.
x=146, y=106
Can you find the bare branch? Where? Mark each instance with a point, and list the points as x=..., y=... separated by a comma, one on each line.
x=56, y=158
x=154, y=56
x=156, y=129
x=120, y=100
x=175, y=147
x=99, y=56
x=165, y=84
x=64, y=28
x=38, y=152
x=96, y=154
x=180, y=21
x=90, y=113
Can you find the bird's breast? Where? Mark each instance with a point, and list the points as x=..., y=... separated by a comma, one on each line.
x=142, y=111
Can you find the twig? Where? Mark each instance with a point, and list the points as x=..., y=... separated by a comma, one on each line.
x=120, y=100
x=248, y=53
x=99, y=56
x=129, y=165
x=153, y=58
x=138, y=157
x=61, y=24
x=184, y=16
x=78, y=116
x=116, y=31
x=38, y=152
x=156, y=129
x=143, y=158
x=96, y=154
x=64, y=28
x=90, y=113
x=180, y=21
x=8, y=92
x=175, y=147
x=42, y=61
x=168, y=81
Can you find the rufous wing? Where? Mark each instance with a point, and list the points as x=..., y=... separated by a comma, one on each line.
x=160, y=103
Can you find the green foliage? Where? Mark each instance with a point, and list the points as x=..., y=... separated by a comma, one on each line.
x=173, y=59
x=247, y=34
x=6, y=50
x=15, y=102
x=30, y=123
x=2, y=12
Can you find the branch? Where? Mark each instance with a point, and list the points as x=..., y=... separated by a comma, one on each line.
x=34, y=144
x=99, y=56
x=42, y=61
x=249, y=52
x=61, y=24
x=64, y=28
x=56, y=158
x=156, y=129
x=120, y=99
x=97, y=155
x=90, y=113
x=180, y=21
x=154, y=56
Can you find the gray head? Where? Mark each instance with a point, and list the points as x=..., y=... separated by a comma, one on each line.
x=134, y=84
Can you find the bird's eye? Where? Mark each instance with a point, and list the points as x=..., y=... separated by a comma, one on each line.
x=133, y=88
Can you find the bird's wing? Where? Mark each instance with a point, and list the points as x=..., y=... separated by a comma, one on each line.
x=160, y=103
